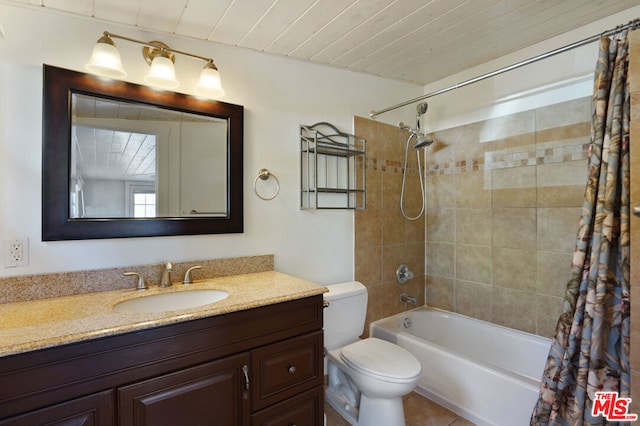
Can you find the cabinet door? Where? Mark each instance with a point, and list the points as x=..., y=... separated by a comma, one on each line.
x=209, y=394
x=92, y=410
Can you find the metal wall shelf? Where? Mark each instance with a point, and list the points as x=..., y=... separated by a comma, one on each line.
x=332, y=168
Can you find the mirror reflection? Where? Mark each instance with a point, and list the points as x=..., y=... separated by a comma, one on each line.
x=130, y=160
x=122, y=160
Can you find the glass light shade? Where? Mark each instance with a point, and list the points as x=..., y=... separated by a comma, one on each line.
x=162, y=73
x=209, y=84
x=105, y=60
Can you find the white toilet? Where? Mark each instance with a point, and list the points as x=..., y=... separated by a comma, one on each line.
x=367, y=377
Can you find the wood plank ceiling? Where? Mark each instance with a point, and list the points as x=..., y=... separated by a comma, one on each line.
x=418, y=41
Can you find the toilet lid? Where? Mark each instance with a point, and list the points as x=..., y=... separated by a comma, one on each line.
x=381, y=358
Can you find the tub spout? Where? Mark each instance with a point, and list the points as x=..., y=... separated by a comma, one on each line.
x=408, y=299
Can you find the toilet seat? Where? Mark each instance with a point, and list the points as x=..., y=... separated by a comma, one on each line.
x=381, y=359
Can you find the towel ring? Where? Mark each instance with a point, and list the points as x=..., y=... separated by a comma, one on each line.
x=264, y=174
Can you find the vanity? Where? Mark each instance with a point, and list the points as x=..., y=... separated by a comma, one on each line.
x=250, y=355
x=253, y=358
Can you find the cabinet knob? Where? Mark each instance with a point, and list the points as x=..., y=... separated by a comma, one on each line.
x=292, y=369
x=636, y=211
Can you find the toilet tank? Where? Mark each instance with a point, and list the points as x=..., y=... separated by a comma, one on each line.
x=345, y=315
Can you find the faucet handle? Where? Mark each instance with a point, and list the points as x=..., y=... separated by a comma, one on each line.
x=403, y=273
x=142, y=283
x=187, y=275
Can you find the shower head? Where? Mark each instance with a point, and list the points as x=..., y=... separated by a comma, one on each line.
x=422, y=141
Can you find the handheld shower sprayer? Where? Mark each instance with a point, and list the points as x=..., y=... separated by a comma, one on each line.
x=421, y=141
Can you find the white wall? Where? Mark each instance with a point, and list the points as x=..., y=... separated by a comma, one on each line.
x=279, y=94
x=560, y=78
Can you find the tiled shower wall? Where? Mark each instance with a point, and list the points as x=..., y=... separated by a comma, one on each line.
x=383, y=238
x=504, y=203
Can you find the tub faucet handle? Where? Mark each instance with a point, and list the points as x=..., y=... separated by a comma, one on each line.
x=403, y=273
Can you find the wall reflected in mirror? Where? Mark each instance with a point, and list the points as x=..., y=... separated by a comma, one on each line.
x=129, y=160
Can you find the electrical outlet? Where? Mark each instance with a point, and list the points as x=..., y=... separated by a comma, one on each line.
x=16, y=252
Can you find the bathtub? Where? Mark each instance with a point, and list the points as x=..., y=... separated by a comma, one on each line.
x=487, y=373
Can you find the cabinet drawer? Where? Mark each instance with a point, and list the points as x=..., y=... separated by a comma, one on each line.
x=306, y=409
x=284, y=369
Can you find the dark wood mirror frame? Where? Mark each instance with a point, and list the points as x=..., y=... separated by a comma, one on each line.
x=59, y=85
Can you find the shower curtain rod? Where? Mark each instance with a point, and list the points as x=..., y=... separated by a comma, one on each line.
x=631, y=24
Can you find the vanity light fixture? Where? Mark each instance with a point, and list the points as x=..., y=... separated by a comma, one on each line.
x=105, y=60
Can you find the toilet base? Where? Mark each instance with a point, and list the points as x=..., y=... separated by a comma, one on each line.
x=372, y=412
x=381, y=412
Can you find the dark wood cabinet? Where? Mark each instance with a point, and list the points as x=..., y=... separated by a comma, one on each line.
x=302, y=410
x=214, y=393
x=261, y=366
x=91, y=410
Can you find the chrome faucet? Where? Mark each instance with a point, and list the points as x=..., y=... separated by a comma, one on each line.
x=408, y=299
x=165, y=281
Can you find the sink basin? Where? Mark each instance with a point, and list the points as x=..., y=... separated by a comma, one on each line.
x=171, y=301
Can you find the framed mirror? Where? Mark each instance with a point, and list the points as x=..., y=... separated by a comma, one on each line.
x=125, y=160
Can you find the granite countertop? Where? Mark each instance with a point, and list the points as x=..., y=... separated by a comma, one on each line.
x=38, y=324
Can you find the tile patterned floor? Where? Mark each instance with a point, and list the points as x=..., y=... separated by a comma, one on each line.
x=418, y=411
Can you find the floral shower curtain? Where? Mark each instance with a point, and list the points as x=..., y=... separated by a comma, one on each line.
x=590, y=350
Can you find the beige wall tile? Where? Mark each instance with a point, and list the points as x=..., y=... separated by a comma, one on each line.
x=634, y=61
x=368, y=228
x=557, y=228
x=441, y=192
x=513, y=125
x=473, y=190
x=513, y=308
x=553, y=270
x=392, y=257
x=415, y=258
x=473, y=299
x=506, y=261
x=440, y=259
x=439, y=292
x=563, y=114
x=441, y=225
x=514, y=177
x=374, y=189
x=368, y=265
x=392, y=227
x=391, y=185
x=473, y=226
x=444, y=149
x=414, y=229
x=549, y=310
x=514, y=228
x=560, y=196
x=523, y=197
x=562, y=174
x=467, y=141
x=473, y=263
